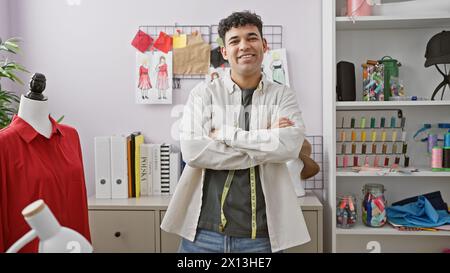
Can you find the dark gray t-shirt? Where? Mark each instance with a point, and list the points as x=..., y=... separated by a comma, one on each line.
x=237, y=207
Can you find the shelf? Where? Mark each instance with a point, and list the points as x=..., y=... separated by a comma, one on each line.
x=423, y=172
x=392, y=22
x=374, y=104
x=360, y=229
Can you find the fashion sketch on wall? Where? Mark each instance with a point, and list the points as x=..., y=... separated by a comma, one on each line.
x=154, y=77
x=275, y=66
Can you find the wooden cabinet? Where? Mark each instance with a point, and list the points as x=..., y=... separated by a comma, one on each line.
x=133, y=225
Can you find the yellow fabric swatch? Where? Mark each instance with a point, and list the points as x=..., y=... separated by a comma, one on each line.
x=179, y=40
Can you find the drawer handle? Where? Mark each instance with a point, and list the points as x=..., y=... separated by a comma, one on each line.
x=117, y=234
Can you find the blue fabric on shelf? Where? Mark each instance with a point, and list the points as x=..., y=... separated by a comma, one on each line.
x=418, y=214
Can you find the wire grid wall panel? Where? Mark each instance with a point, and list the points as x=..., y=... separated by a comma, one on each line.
x=316, y=182
x=272, y=33
x=154, y=30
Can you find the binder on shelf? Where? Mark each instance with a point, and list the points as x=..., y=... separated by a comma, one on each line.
x=165, y=169
x=175, y=165
x=130, y=190
x=156, y=172
x=138, y=140
x=133, y=162
x=146, y=170
x=119, y=167
x=102, y=167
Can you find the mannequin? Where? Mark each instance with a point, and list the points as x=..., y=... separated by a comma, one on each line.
x=40, y=159
x=33, y=106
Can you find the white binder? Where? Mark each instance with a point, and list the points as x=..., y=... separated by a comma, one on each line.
x=102, y=167
x=119, y=167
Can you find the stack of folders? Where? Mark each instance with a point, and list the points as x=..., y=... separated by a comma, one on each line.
x=126, y=167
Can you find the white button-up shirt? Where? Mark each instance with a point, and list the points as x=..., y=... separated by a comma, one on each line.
x=216, y=105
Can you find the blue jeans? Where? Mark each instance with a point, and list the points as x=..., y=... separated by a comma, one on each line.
x=207, y=241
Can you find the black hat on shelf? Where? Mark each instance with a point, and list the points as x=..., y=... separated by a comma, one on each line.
x=438, y=49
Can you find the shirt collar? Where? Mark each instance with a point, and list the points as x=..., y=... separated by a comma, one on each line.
x=28, y=133
x=231, y=85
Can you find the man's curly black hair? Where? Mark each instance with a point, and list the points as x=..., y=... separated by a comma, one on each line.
x=239, y=19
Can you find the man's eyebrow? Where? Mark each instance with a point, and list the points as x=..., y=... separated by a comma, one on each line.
x=250, y=34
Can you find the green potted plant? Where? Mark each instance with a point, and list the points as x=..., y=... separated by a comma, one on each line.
x=8, y=69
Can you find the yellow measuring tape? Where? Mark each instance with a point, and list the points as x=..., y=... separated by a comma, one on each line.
x=226, y=188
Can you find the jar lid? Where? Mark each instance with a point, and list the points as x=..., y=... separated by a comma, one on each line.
x=374, y=187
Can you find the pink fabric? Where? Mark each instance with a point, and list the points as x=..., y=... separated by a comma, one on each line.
x=358, y=8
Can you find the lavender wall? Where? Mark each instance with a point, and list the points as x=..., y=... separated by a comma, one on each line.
x=85, y=53
x=4, y=19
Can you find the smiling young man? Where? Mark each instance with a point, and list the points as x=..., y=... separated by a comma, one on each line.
x=235, y=193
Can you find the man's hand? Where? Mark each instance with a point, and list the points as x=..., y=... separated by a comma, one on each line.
x=283, y=122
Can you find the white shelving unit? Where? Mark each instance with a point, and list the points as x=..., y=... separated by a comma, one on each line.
x=371, y=37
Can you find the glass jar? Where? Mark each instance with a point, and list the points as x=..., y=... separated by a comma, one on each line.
x=374, y=205
x=346, y=211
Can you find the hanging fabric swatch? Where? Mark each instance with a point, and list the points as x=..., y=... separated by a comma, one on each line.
x=192, y=59
x=142, y=41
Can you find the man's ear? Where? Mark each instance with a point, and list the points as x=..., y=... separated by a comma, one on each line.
x=265, y=47
x=223, y=50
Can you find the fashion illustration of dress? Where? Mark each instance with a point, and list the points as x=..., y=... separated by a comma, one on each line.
x=144, y=79
x=278, y=72
x=162, y=81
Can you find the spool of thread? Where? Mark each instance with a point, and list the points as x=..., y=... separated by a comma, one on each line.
x=376, y=161
x=447, y=140
x=343, y=136
x=342, y=122
x=404, y=148
x=403, y=122
x=436, y=158
x=383, y=136
x=374, y=136
x=394, y=136
x=397, y=160
x=363, y=122
x=406, y=161
x=392, y=122
x=384, y=148
x=382, y=122
x=372, y=122
x=394, y=148
x=355, y=161
x=374, y=148
x=432, y=141
x=343, y=148
x=353, y=148
x=352, y=123
x=386, y=161
x=366, y=161
x=363, y=148
x=353, y=135
x=446, y=158
x=345, y=161
x=403, y=135
x=363, y=136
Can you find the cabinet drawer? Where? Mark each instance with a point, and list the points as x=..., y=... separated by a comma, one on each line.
x=311, y=219
x=122, y=231
x=169, y=241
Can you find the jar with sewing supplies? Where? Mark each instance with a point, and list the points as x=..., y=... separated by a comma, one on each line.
x=346, y=214
x=374, y=205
